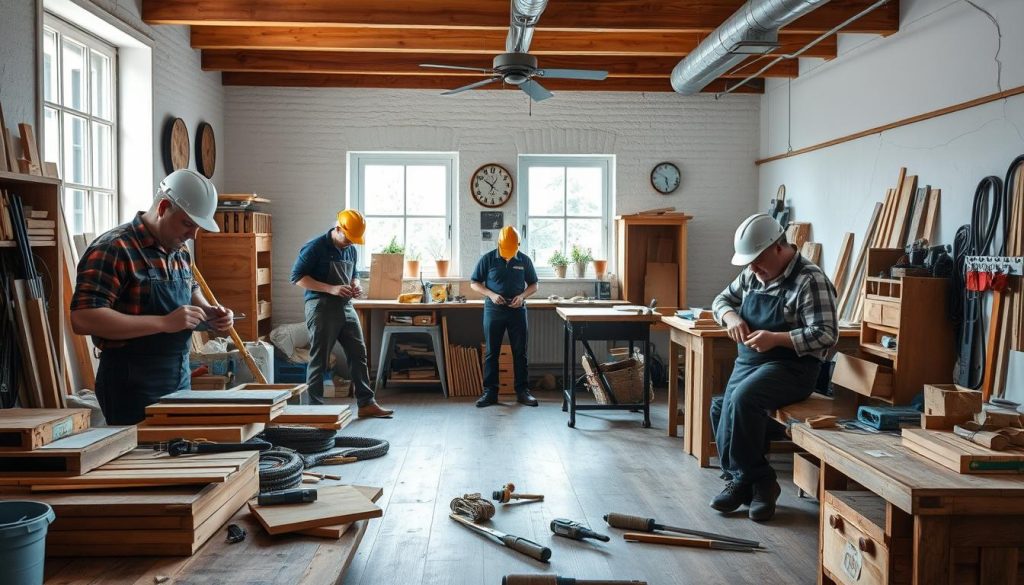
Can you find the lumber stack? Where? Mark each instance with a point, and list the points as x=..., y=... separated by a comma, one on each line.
x=321, y=416
x=413, y=361
x=960, y=454
x=56, y=443
x=217, y=407
x=466, y=374
x=334, y=507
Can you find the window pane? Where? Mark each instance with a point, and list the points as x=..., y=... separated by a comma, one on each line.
x=74, y=207
x=379, y=231
x=546, y=236
x=102, y=211
x=74, y=75
x=427, y=189
x=427, y=236
x=99, y=85
x=102, y=156
x=50, y=65
x=75, y=150
x=383, y=189
x=587, y=234
x=547, y=190
x=583, y=193
x=51, y=135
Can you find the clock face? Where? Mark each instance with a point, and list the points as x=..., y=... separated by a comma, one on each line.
x=491, y=185
x=665, y=177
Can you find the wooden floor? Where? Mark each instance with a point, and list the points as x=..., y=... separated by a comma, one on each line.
x=441, y=449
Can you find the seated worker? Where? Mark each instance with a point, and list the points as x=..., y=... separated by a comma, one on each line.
x=506, y=278
x=326, y=268
x=136, y=296
x=781, y=311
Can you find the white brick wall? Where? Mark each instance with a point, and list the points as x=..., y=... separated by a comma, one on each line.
x=290, y=145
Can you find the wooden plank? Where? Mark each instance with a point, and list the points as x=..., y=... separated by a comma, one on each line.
x=334, y=505
x=856, y=278
x=898, y=237
x=24, y=429
x=53, y=389
x=811, y=251
x=338, y=530
x=211, y=409
x=917, y=216
x=82, y=345
x=216, y=433
x=231, y=396
x=209, y=420
x=73, y=455
x=30, y=150
x=842, y=262
x=294, y=413
x=33, y=378
x=797, y=233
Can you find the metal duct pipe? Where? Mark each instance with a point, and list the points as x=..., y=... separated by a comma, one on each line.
x=525, y=14
x=755, y=20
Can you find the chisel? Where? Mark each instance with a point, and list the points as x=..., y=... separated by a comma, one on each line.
x=628, y=522
x=516, y=543
x=683, y=541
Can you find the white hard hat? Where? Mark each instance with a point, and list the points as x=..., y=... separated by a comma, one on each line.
x=755, y=235
x=194, y=194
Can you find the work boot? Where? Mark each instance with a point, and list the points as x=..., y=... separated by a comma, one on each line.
x=762, y=504
x=526, y=398
x=487, y=399
x=732, y=497
x=373, y=410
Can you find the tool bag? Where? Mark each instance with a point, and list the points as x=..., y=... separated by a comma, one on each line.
x=625, y=378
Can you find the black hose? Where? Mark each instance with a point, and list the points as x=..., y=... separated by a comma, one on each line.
x=982, y=232
x=305, y=440
x=279, y=470
x=359, y=447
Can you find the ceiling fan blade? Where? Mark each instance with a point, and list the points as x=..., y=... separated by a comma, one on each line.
x=535, y=90
x=470, y=86
x=573, y=74
x=459, y=67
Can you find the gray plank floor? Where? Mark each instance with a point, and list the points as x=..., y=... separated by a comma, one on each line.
x=442, y=449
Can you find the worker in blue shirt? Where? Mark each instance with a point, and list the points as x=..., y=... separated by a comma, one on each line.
x=506, y=278
x=326, y=269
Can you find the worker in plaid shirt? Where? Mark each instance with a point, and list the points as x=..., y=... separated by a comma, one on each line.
x=781, y=312
x=136, y=296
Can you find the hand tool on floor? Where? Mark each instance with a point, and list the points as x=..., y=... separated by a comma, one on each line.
x=628, y=522
x=683, y=541
x=507, y=493
x=205, y=288
x=473, y=506
x=516, y=543
x=575, y=530
x=296, y=496
x=990, y=439
x=556, y=580
x=176, y=447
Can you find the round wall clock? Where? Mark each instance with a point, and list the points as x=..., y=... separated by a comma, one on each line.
x=491, y=185
x=176, y=153
x=206, y=150
x=665, y=177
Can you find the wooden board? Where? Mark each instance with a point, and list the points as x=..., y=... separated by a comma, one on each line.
x=217, y=433
x=70, y=456
x=797, y=233
x=211, y=420
x=898, y=233
x=24, y=429
x=338, y=530
x=961, y=455
x=212, y=409
x=811, y=251
x=30, y=149
x=843, y=262
x=230, y=396
x=295, y=413
x=294, y=389
x=661, y=282
x=334, y=505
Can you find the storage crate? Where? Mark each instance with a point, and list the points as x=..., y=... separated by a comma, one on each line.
x=286, y=372
x=625, y=377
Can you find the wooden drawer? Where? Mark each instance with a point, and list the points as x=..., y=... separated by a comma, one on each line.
x=862, y=376
x=806, y=472
x=882, y=312
x=853, y=549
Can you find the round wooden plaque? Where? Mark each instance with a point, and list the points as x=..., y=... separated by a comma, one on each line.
x=206, y=150
x=176, y=147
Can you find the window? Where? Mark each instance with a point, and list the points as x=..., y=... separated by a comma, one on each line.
x=408, y=196
x=565, y=200
x=79, y=123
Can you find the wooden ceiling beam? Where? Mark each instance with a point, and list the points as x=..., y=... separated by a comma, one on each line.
x=409, y=63
x=667, y=15
x=477, y=42
x=445, y=82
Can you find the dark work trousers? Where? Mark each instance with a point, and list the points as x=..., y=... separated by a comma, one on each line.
x=497, y=320
x=330, y=319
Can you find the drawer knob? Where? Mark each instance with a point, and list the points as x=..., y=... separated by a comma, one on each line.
x=865, y=545
x=835, y=521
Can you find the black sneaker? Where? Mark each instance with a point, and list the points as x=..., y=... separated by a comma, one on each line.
x=762, y=504
x=732, y=497
x=487, y=399
x=526, y=398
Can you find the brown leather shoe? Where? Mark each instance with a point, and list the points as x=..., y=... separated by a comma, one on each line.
x=373, y=410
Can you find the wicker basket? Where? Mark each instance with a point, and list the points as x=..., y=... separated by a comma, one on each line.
x=625, y=377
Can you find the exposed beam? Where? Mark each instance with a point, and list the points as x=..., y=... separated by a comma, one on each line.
x=478, y=42
x=675, y=15
x=444, y=82
x=408, y=63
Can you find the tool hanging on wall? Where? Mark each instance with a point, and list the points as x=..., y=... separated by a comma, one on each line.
x=507, y=494
x=778, y=209
x=516, y=543
x=628, y=522
x=256, y=373
x=556, y=580
x=574, y=530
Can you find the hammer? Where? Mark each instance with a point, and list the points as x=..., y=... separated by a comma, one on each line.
x=507, y=493
x=556, y=580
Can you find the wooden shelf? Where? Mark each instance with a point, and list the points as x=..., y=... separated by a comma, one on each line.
x=878, y=350
x=23, y=178
x=13, y=244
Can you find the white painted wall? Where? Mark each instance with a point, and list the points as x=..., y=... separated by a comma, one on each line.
x=290, y=145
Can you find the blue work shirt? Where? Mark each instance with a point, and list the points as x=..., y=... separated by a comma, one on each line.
x=320, y=259
x=508, y=279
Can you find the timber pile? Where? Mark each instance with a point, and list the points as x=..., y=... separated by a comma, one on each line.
x=466, y=375
x=217, y=407
x=321, y=416
x=39, y=444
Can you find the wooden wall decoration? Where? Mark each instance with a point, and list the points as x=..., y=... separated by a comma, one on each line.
x=206, y=150
x=175, y=145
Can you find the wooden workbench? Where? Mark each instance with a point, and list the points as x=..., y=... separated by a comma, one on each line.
x=928, y=525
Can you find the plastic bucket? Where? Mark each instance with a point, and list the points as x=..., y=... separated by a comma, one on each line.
x=23, y=527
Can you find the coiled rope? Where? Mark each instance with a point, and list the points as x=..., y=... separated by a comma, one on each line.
x=473, y=506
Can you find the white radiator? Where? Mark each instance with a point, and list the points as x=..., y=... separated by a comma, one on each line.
x=546, y=339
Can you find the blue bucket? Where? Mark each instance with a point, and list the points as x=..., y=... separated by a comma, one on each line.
x=23, y=527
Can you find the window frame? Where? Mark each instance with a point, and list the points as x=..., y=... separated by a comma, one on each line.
x=357, y=162
x=64, y=29
x=605, y=162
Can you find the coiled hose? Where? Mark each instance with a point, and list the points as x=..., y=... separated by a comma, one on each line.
x=312, y=446
x=279, y=470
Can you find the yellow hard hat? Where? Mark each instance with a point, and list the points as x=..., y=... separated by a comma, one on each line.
x=352, y=224
x=508, y=242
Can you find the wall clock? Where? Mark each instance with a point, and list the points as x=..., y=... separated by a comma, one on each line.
x=491, y=185
x=175, y=146
x=206, y=150
x=665, y=177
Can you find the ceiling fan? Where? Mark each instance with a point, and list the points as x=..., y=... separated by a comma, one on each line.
x=516, y=66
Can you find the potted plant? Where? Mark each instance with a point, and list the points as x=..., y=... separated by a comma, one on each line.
x=412, y=264
x=440, y=260
x=580, y=257
x=558, y=261
x=600, y=266
x=386, y=271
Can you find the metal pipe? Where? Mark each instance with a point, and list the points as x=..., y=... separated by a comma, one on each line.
x=525, y=14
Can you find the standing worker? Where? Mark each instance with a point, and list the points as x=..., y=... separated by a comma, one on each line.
x=136, y=296
x=781, y=311
x=326, y=269
x=506, y=278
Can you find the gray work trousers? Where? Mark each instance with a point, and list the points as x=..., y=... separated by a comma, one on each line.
x=330, y=320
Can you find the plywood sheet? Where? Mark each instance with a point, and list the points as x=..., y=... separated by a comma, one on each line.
x=337, y=530
x=232, y=396
x=334, y=505
x=295, y=413
x=24, y=429
x=73, y=455
x=236, y=433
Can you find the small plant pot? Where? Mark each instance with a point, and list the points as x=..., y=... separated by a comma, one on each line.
x=599, y=268
x=560, y=271
x=412, y=268
x=581, y=269
x=442, y=267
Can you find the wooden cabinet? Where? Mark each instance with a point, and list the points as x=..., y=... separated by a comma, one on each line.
x=237, y=268
x=650, y=253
